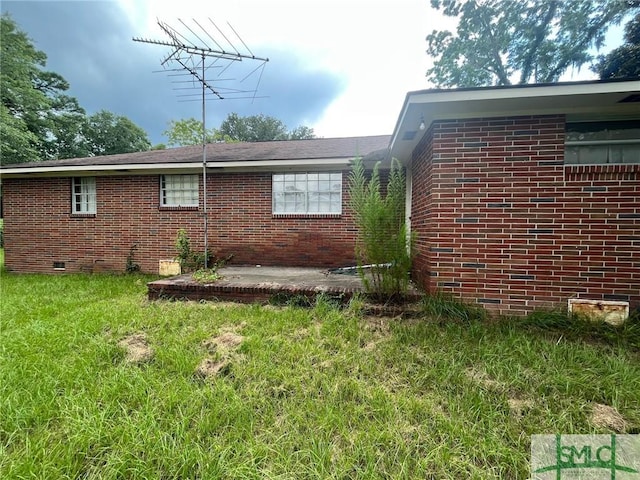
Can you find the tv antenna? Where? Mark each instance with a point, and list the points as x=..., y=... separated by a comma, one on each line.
x=192, y=55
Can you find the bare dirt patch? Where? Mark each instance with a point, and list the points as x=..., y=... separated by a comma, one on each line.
x=210, y=368
x=519, y=406
x=300, y=334
x=604, y=416
x=137, y=348
x=379, y=329
x=379, y=325
x=483, y=379
x=224, y=342
x=222, y=347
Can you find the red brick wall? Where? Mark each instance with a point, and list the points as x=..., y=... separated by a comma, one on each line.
x=40, y=230
x=510, y=227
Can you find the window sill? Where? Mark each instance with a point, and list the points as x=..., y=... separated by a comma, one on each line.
x=602, y=171
x=602, y=167
x=83, y=215
x=176, y=208
x=307, y=215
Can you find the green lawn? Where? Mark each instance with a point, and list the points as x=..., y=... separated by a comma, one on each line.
x=300, y=393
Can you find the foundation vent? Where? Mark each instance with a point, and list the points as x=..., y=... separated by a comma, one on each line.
x=610, y=311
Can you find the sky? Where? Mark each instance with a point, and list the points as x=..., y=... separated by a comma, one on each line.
x=341, y=67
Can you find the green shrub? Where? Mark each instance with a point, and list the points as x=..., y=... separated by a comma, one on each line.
x=192, y=261
x=384, y=248
x=132, y=266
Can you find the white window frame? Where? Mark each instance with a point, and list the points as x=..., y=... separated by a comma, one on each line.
x=608, y=150
x=307, y=193
x=179, y=190
x=83, y=195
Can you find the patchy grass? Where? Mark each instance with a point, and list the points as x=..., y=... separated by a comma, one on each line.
x=245, y=391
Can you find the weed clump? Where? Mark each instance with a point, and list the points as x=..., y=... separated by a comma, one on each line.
x=384, y=246
x=440, y=305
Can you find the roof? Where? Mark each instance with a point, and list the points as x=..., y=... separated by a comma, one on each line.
x=316, y=152
x=578, y=100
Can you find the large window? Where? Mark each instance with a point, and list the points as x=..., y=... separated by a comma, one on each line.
x=307, y=193
x=83, y=196
x=596, y=143
x=179, y=190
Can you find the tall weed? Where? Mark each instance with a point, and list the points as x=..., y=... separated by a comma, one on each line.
x=384, y=247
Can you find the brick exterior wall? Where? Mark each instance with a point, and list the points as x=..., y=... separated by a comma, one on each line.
x=502, y=222
x=40, y=230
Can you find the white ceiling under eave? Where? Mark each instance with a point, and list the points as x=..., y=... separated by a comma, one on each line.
x=579, y=101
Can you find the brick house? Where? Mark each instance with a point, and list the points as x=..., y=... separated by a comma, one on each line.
x=525, y=196
x=519, y=197
x=268, y=203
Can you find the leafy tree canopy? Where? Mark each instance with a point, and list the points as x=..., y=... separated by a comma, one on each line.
x=261, y=128
x=39, y=120
x=624, y=61
x=501, y=42
x=255, y=128
x=108, y=134
x=188, y=131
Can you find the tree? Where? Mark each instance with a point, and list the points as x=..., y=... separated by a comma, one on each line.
x=500, y=42
x=40, y=121
x=17, y=143
x=261, y=128
x=624, y=61
x=301, y=133
x=188, y=131
x=24, y=104
x=108, y=134
x=255, y=128
x=34, y=99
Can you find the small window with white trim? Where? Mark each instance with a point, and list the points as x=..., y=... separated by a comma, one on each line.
x=598, y=143
x=83, y=195
x=307, y=193
x=179, y=190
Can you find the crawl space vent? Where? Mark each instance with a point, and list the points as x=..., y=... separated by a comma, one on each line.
x=58, y=265
x=609, y=311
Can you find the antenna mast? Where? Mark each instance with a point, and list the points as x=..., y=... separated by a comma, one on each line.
x=192, y=56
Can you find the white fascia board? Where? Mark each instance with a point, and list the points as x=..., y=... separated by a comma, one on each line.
x=330, y=162
x=522, y=92
x=452, y=104
x=93, y=168
x=195, y=166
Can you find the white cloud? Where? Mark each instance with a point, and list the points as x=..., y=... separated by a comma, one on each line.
x=376, y=47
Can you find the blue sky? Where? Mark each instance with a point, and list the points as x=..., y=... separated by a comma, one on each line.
x=342, y=67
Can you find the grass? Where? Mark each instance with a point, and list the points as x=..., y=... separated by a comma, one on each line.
x=308, y=393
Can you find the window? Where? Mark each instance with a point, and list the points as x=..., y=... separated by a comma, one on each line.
x=83, y=195
x=179, y=190
x=597, y=143
x=307, y=193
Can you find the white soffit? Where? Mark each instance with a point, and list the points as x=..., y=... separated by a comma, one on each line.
x=577, y=99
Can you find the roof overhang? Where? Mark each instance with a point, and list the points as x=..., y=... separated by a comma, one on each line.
x=185, y=167
x=577, y=100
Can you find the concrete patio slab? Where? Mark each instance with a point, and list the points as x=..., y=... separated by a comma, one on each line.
x=259, y=284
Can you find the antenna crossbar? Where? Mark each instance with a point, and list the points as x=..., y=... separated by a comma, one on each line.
x=181, y=58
